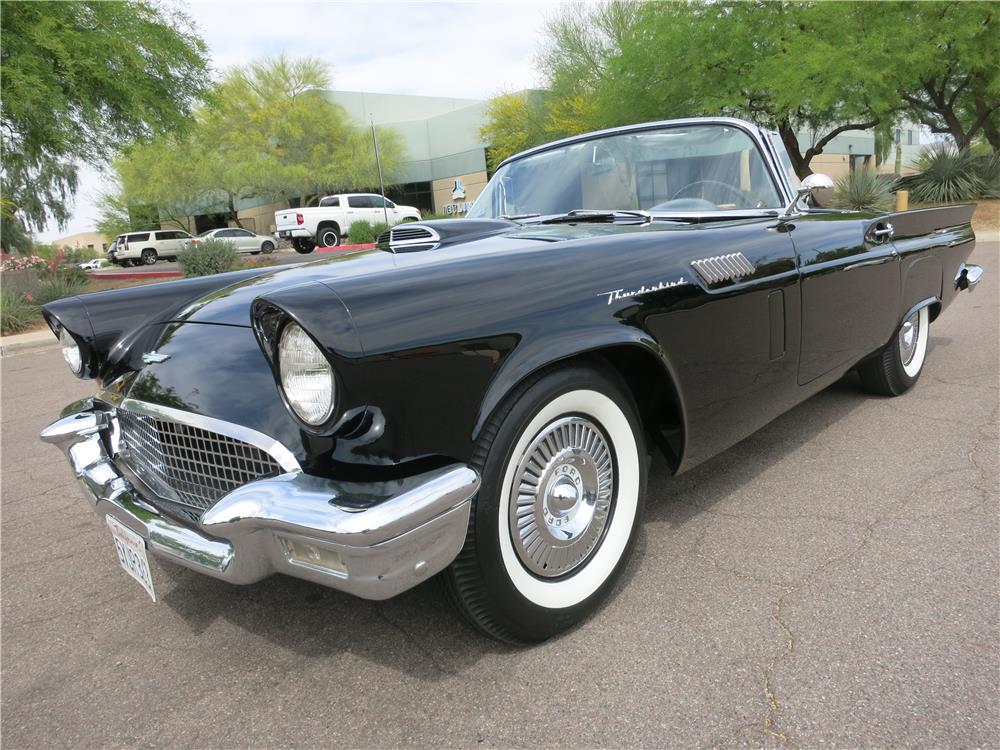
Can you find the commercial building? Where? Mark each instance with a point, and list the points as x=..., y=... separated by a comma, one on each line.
x=83, y=241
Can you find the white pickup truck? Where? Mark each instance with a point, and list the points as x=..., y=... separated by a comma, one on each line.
x=329, y=222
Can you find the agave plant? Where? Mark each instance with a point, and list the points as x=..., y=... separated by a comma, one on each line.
x=946, y=174
x=863, y=190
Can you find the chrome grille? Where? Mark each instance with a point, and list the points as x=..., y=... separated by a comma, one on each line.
x=189, y=465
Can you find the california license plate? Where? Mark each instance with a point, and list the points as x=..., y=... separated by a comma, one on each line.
x=131, y=550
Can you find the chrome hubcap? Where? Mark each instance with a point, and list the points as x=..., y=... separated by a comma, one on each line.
x=564, y=485
x=908, y=336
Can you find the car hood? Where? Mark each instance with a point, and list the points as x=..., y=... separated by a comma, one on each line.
x=231, y=304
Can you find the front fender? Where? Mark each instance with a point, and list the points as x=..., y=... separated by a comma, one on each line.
x=546, y=351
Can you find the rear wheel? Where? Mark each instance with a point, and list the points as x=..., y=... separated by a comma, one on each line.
x=329, y=237
x=563, y=466
x=302, y=245
x=897, y=366
x=267, y=248
x=148, y=257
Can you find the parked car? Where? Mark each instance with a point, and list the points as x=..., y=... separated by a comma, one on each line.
x=145, y=248
x=243, y=240
x=92, y=265
x=478, y=398
x=328, y=223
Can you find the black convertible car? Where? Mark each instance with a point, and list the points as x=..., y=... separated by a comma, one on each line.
x=478, y=397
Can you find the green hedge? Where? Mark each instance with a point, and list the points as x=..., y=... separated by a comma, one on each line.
x=208, y=257
x=363, y=231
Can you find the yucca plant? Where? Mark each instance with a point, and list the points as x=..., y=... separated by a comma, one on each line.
x=946, y=174
x=863, y=190
x=17, y=312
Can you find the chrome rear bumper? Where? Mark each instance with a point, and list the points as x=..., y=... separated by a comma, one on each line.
x=286, y=524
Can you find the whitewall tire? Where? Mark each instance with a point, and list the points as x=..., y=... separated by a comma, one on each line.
x=896, y=367
x=563, y=465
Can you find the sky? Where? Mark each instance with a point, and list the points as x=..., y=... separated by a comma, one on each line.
x=469, y=50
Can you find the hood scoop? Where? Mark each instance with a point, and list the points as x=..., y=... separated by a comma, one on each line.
x=408, y=238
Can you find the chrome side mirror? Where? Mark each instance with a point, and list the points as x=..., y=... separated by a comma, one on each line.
x=810, y=185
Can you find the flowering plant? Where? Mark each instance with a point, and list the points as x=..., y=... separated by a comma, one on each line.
x=21, y=262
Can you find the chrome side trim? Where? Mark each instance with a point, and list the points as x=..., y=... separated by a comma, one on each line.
x=720, y=268
x=267, y=444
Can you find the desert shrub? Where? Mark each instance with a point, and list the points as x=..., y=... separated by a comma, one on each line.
x=989, y=172
x=17, y=312
x=945, y=174
x=56, y=287
x=208, y=257
x=363, y=231
x=863, y=190
x=431, y=216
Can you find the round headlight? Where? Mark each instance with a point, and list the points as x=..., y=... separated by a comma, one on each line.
x=70, y=351
x=306, y=376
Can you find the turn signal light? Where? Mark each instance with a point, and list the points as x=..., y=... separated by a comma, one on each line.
x=312, y=555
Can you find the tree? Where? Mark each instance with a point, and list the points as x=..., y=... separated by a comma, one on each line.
x=947, y=69
x=80, y=80
x=514, y=122
x=268, y=130
x=788, y=67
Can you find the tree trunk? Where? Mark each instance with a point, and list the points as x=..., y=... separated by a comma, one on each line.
x=234, y=214
x=791, y=143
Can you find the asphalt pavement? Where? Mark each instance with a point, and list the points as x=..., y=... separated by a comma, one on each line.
x=832, y=581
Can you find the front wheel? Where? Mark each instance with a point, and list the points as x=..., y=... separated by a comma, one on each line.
x=563, y=466
x=897, y=366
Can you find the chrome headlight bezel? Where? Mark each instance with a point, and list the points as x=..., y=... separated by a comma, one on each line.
x=71, y=351
x=321, y=372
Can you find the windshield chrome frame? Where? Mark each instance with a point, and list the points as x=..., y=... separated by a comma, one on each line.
x=756, y=134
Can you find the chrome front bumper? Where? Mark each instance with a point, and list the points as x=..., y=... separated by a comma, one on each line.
x=286, y=524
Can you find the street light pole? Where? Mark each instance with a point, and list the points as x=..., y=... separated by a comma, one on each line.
x=378, y=163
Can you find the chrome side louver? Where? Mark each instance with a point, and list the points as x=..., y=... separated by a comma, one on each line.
x=721, y=268
x=408, y=238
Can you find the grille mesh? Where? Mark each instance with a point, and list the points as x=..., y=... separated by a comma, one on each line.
x=199, y=466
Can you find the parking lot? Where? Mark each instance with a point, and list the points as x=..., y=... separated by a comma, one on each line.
x=830, y=581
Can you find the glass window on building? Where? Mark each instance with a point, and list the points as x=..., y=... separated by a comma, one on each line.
x=909, y=137
x=899, y=135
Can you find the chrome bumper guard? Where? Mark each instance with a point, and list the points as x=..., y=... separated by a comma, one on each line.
x=286, y=524
x=968, y=277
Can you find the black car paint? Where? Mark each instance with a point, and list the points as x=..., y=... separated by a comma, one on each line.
x=427, y=344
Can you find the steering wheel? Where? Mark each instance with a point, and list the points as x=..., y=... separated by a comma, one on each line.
x=741, y=196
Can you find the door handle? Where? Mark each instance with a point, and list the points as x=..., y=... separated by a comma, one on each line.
x=882, y=232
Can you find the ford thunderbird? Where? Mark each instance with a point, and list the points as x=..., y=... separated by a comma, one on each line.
x=477, y=399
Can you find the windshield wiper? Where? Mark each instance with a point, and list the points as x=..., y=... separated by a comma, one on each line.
x=517, y=217
x=582, y=215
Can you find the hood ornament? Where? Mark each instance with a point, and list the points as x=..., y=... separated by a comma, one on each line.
x=154, y=358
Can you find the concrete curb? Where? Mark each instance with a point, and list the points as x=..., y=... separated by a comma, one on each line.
x=23, y=342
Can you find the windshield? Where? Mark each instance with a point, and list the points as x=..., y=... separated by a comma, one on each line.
x=681, y=169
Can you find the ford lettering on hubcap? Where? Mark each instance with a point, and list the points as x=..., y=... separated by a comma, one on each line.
x=564, y=486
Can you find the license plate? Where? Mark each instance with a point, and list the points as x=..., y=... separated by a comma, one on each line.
x=131, y=549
